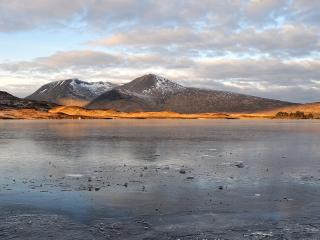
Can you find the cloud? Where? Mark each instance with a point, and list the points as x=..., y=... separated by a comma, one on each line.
x=89, y=59
x=87, y=65
x=16, y=15
x=285, y=40
x=272, y=70
x=115, y=15
x=262, y=76
x=260, y=47
x=262, y=10
x=307, y=11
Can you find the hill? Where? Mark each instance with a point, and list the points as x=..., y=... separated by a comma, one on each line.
x=311, y=109
x=71, y=92
x=155, y=93
x=8, y=101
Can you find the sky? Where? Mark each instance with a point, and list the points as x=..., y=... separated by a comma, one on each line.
x=267, y=48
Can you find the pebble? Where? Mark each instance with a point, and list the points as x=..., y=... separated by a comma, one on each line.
x=239, y=165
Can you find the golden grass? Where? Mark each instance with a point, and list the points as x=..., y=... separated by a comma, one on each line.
x=306, y=108
x=30, y=114
x=25, y=114
x=68, y=112
x=72, y=102
x=138, y=115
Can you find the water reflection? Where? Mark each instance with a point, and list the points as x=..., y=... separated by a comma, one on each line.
x=275, y=155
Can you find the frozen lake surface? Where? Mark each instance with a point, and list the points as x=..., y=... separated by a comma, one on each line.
x=160, y=179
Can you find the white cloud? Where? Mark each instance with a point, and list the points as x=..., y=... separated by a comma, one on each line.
x=16, y=15
x=261, y=10
x=267, y=47
x=263, y=76
x=285, y=40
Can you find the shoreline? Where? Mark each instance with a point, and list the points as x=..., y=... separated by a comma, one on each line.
x=77, y=113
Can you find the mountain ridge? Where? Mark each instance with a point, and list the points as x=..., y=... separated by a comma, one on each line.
x=8, y=101
x=70, y=92
x=154, y=93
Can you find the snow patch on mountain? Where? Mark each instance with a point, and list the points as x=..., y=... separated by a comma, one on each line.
x=95, y=88
x=71, y=91
x=150, y=88
x=77, y=87
x=163, y=85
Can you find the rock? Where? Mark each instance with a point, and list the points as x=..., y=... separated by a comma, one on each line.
x=239, y=165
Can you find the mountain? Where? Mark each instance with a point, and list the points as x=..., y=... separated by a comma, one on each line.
x=146, y=93
x=71, y=92
x=8, y=101
x=155, y=93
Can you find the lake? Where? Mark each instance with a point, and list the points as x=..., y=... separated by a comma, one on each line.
x=160, y=179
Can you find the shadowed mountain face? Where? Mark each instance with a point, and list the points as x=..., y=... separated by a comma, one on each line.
x=147, y=93
x=154, y=93
x=71, y=92
x=121, y=101
x=8, y=101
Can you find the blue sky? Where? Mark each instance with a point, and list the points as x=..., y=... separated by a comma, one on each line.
x=268, y=48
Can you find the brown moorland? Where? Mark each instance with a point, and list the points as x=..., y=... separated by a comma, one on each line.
x=67, y=112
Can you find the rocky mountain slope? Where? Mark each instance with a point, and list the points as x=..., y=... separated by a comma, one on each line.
x=71, y=92
x=8, y=101
x=154, y=93
x=147, y=93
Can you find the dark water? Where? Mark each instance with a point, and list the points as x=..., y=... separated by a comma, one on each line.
x=243, y=179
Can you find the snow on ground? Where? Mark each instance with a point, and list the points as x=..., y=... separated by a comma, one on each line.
x=96, y=88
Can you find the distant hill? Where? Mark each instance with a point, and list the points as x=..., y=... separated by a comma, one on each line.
x=8, y=101
x=155, y=93
x=308, y=108
x=12, y=107
x=71, y=92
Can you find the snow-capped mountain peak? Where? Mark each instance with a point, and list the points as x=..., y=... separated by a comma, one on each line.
x=71, y=91
x=151, y=84
x=156, y=93
x=164, y=85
